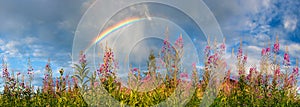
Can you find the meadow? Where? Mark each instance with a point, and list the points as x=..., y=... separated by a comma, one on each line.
x=272, y=83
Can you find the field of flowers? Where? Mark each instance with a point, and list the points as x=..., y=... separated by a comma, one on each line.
x=273, y=83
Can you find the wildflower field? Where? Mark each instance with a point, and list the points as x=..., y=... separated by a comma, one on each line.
x=272, y=83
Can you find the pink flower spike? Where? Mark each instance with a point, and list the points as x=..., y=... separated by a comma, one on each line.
x=268, y=50
x=263, y=52
x=276, y=46
x=82, y=58
x=184, y=75
x=135, y=69
x=18, y=73
x=286, y=59
x=296, y=71
x=277, y=71
x=245, y=58
x=223, y=46
x=147, y=78
x=240, y=52
x=194, y=65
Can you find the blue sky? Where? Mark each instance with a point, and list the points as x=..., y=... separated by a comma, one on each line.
x=42, y=29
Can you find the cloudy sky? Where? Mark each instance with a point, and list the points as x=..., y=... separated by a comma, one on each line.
x=42, y=29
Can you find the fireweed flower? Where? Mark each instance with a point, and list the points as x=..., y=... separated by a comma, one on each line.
x=179, y=42
x=245, y=59
x=240, y=52
x=82, y=58
x=147, y=78
x=194, y=65
x=296, y=70
x=222, y=47
x=184, y=75
x=277, y=71
x=213, y=59
x=268, y=50
x=251, y=71
x=263, y=52
x=295, y=73
x=75, y=80
x=207, y=50
x=135, y=69
x=286, y=58
x=5, y=72
x=276, y=46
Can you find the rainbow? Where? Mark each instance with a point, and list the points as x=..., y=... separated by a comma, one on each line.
x=112, y=29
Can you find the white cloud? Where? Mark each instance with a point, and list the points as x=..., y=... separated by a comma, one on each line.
x=290, y=23
x=10, y=48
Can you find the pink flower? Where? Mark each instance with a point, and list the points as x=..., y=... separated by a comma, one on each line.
x=245, y=58
x=184, y=75
x=5, y=72
x=46, y=77
x=75, y=80
x=18, y=73
x=207, y=50
x=222, y=46
x=179, y=42
x=252, y=70
x=296, y=71
x=82, y=58
x=286, y=59
x=263, y=52
x=147, y=78
x=29, y=72
x=240, y=52
x=268, y=50
x=194, y=65
x=96, y=84
x=213, y=59
x=276, y=48
x=135, y=69
x=210, y=59
x=277, y=71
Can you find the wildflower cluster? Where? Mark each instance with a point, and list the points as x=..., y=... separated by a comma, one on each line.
x=272, y=83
